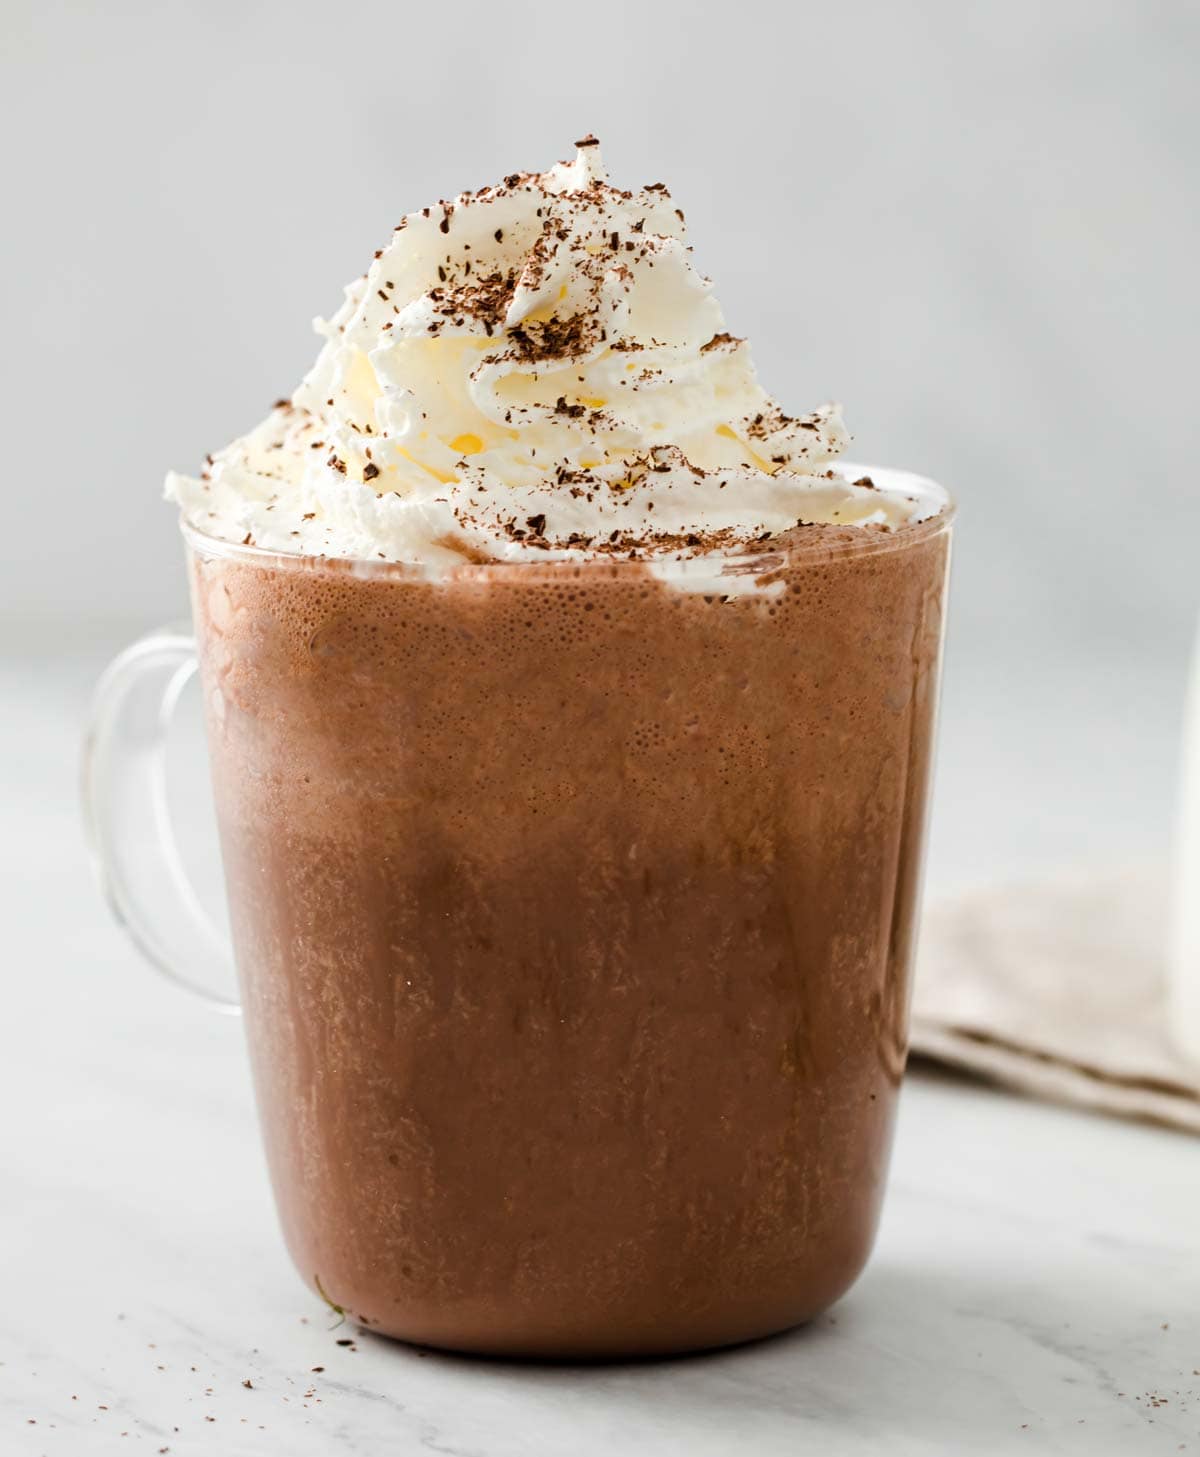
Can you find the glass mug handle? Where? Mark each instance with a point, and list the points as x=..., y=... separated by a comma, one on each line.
x=128, y=819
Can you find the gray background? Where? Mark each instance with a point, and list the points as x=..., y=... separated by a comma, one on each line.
x=975, y=224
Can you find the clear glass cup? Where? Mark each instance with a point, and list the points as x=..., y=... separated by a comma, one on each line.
x=573, y=908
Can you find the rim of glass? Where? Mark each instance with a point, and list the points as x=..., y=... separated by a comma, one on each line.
x=818, y=546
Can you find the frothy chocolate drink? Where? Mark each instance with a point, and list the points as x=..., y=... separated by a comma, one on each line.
x=571, y=790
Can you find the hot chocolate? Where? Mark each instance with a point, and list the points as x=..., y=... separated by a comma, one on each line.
x=570, y=715
x=574, y=915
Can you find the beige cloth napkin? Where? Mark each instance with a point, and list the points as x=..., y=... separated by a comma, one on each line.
x=1058, y=988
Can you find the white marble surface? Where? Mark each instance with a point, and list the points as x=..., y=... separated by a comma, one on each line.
x=1036, y=1287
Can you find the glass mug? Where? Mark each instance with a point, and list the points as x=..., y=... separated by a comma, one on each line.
x=573, y=911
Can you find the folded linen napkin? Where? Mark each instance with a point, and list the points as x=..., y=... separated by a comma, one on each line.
x=1058, y=987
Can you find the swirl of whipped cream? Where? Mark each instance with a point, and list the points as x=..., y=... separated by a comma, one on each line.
x=535, y=368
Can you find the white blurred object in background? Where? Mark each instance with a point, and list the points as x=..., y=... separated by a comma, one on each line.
x=1183, y=953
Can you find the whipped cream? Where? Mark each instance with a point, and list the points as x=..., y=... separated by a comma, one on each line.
x=535, y=369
